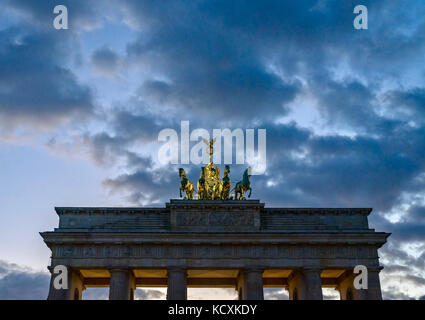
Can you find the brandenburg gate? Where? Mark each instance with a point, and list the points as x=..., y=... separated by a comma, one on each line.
x=237, y=244
x=215, y=241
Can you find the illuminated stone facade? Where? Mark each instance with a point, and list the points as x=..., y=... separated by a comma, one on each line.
x=211, y=243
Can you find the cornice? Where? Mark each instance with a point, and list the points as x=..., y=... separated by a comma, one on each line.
x=230, y=205
x=171, y=238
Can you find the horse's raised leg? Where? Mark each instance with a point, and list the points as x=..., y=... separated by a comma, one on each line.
x=242, y=195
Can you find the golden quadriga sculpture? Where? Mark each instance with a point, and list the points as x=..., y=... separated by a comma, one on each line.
x=209, y=186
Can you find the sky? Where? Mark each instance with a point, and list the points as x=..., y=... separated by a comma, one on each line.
x=81, y=110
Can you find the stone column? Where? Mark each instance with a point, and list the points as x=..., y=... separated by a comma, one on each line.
x=122, y=284
x=348, y=292
x=345, y=286
x=374, y=284
x=176, y=284
x=250, y=284
x=305, y=284
x=75, y=286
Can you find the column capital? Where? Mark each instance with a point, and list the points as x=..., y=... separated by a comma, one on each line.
x=312, y=269
x=177, y=269
x=305, y=270
x=119, y=269
x=253, y=269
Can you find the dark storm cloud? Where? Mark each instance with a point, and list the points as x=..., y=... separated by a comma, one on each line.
x=105, y=61
x=103, y=148
x=211, y=71
x=399, y=263
x=228, y=56
x=396, y=269
x=379, y=168
x=37, y=86
x=405, y=231
x=18, y=283
x=351, y=171
x=416, y=214
x=24, y=286
x=376, y=166
x=400, y=266
x=126, y=129
x=216, y=65
x=410, y=101
x=145, y=184
x=139, y=126
x=351, y=105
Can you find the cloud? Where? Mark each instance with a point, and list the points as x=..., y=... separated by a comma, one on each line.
x=275, y=294
x=21, y=283
x=146, y=185
x=409, y=103
x=105, y=61
x=394, y=294
x=139, y=294
x=149, y=294
x=206, y=69
x=36, y=87
x=96, y=294
x=212, y=294
x=248, y=56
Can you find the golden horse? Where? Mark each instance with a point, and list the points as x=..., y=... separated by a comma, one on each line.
x=225, y=184
x=185, y=185
x=243, y=186
x=202, y=187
